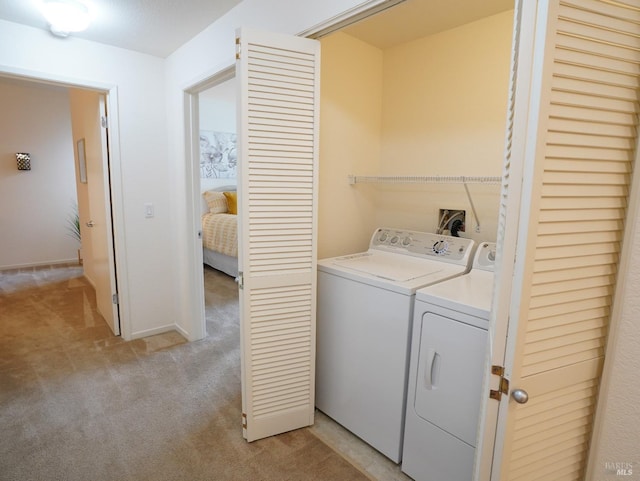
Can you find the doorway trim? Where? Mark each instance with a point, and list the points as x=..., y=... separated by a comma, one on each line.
x=198, y=325
x=115, y=170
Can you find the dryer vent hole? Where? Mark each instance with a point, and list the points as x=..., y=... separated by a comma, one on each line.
x=451, y=222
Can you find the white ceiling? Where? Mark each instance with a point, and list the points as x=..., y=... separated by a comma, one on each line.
x=418, y=18
x=159, y=27
x=156, y=27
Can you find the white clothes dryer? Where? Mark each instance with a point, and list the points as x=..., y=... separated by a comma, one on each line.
x=364, y=315
x=448, y=352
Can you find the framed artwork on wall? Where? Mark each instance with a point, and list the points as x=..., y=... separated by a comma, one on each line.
x=82, y=162
x=218, y=157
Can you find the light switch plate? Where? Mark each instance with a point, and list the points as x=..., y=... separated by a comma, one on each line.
x=148, y=210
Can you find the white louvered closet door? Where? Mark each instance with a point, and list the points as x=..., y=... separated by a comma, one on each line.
x=584, y=126
x=278, y=79
x=519, y=87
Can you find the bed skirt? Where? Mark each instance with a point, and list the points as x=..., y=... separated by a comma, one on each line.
x=221, y=262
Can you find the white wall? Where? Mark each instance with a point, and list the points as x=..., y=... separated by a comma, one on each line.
x=147, y=270
x=350, y=142
x=218, y=107
x=432, y=106
x=217, y=112
x=617, y=425
x=35, y=205
x=444, y=113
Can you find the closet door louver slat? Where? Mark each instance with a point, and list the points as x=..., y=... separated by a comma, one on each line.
x=278, y=77
x=588, y=123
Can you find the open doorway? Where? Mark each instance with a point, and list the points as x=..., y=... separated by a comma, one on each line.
x=217, y=161
x=203, y=174
x=73, y=213
x=93, y=180
x=218, y=176
x=38, y=198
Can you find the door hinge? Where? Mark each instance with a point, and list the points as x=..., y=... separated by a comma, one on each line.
x=238, y=48
x=240, y=280
x=104, y=122
x=115, y=299
x=503, y=386
x=244, y=421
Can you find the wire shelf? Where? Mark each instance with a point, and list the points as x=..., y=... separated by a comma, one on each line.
x=423, y=179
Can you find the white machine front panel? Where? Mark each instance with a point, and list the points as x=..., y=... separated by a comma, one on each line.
x=449, y=375
x=431, y=454
x=361, y=361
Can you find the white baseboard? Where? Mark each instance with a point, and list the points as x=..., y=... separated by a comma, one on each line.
x=156, y=330
x=183, y=333
x=39, y=264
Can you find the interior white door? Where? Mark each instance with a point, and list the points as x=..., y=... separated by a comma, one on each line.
x=278, y=81
x=507, y=235
x=577, y=143
x=103, y=262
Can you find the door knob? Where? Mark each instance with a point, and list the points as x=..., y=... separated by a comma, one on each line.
x=89, y=224
x=520, y=396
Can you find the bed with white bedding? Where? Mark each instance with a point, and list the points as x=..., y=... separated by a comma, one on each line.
x=220, y=230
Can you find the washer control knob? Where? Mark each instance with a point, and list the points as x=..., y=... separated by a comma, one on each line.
x=406, y=241
x=440, y=247
x=492, y=255
x=383, y=236
x=394, y=239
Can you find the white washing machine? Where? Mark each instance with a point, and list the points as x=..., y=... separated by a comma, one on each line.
x=448, y=350
x=364, y=316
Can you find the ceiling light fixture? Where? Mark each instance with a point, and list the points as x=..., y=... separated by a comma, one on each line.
x=66, y=16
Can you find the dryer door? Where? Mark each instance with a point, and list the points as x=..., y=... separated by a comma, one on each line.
x=449, y=377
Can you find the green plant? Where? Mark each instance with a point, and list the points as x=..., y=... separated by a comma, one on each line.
x=73, y=222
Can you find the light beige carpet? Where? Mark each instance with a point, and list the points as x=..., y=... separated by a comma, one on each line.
x=77, y=403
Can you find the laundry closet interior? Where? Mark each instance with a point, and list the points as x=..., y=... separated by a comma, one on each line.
x=412, y=92
x=412, y=126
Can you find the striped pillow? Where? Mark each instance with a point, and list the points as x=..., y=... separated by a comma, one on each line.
x=216, y=201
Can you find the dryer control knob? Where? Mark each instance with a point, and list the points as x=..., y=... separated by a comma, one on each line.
x=383, y=237
x=406, y=241
x=394, y=239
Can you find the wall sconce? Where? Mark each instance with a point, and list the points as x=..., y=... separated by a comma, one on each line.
x=24, y=161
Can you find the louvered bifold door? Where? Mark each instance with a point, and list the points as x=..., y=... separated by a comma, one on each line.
x=507, y=226
x=278, y=79
x=586, y=137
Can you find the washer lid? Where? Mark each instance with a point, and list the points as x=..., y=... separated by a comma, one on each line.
x=395, y=268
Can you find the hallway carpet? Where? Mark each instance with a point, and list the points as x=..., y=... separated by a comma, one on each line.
x=79, y=404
